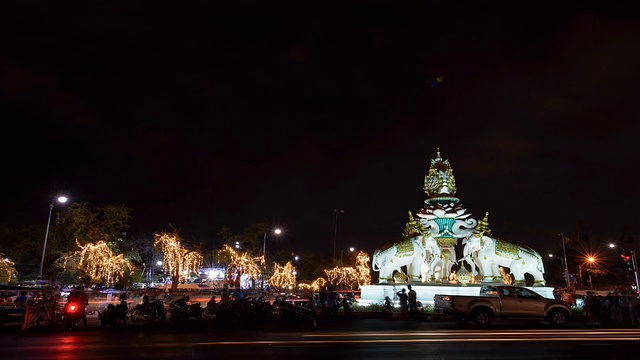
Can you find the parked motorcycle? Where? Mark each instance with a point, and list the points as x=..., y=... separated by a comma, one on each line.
x=180, y=310
x=114, y=315
x=72, y=314
x=149, y=310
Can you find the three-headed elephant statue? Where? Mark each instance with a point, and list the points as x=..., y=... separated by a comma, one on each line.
x=434, y=261
x=391, y=256
x=490, y=254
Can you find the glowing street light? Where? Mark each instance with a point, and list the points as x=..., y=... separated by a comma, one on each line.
x=62, y=200
x=352, y=249
x=264, y=255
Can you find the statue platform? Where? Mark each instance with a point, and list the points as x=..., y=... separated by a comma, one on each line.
x=375, y=294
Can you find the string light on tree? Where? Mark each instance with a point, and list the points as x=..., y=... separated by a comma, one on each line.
x=178, y=260
x=8, y=272
x=283, y=276
x=240, y=264
x=315, y=286
x=363, y=270
x=98, y=262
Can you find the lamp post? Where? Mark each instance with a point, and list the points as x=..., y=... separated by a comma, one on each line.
x=351, y=249
x=264, y=255
x=61, y=199
x=335, y=231
x=566, y=264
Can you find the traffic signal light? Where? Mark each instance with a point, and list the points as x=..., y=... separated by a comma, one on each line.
x=626, y=259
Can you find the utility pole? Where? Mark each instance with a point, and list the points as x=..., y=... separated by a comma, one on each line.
x=566, y=264
x=336, y=213
x=635, y=270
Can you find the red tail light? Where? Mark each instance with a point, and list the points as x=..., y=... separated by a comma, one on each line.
x=72, y=308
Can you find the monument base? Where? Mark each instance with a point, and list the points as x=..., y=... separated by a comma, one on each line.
x=375, y=294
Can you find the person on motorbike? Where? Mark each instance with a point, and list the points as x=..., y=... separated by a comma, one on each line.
x=211, y=305
x=79, y=297
x=123, y=307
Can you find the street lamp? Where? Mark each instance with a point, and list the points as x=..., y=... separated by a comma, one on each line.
x=342, y=252
x=264, y=254
x=590, y=260
x=62, y=200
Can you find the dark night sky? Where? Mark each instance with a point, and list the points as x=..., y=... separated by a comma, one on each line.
x=202, y=115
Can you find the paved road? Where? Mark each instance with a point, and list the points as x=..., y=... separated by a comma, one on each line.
x=369, y=338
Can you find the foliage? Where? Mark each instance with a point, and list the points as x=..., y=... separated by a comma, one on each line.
x=98, y=262
x=351, y=277
x=251, y=238
x=283, y=277
x=140, y=249
x=240, y=263
x=363, y=270
x=96, y=223
x=23, y=245
x=8, y=273
x=178, y=261
x=314, y=286
x=370, y=308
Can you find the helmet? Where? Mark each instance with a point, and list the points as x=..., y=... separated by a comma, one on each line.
x=79, y=287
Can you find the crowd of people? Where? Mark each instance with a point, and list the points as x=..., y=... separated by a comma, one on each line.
x=616, y=309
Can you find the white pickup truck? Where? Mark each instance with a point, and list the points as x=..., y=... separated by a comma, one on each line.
x=503, y=301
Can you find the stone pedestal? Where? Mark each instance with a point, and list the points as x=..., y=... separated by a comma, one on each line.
x=375, y=294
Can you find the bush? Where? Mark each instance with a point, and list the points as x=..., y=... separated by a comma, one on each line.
x=370, y=308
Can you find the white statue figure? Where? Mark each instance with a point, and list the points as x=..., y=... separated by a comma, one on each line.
x=490, y=254
x=391, y=256
x=434, y=262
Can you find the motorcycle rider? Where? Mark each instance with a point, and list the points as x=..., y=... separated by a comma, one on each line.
x=79, y=297
x=123, y=307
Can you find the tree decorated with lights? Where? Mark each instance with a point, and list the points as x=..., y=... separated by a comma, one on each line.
x=8, y=272
x=178, y=260
x=363, y=270
x=345, y=276
x=283, y=276
x=98, y=262
x=315, y=286
x=240, y=264
x=351, y=277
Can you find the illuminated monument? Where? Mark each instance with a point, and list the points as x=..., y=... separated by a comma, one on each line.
x=427, y=252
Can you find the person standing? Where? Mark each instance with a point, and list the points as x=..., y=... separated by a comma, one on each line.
x=413, y=303
x=634, y=306
x=404, y=302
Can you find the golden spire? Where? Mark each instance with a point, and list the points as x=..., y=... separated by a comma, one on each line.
x=414, y=227
x=440, y=180
x=482, y=228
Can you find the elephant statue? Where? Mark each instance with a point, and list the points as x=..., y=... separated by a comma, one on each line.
x=489, y=254
x=433, y=260
x=391, y=256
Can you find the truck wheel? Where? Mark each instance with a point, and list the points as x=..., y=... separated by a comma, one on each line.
x=558, y=317
x=481, y=317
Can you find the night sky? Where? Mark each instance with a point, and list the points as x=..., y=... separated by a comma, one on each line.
x=200, y=115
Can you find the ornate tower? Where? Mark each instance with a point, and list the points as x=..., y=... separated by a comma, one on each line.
x=442, y=215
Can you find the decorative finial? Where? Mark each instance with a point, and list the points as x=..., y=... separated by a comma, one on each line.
x=438, y=153
x=440, y=182
x=482, y=228
x=414, y=227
